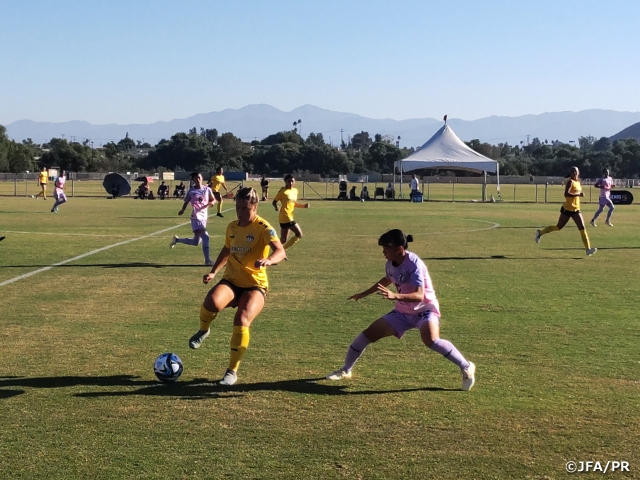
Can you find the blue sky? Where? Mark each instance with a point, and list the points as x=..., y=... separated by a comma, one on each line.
x=143, y=61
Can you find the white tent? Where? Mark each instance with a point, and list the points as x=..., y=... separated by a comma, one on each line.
x=446, y=150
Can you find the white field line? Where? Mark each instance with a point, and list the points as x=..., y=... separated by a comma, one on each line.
x=493, y=225
x=63, y=234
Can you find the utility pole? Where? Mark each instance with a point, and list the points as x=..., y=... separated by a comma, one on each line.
x=341, y=141
x=528, y=139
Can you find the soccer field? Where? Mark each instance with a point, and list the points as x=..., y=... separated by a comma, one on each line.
x=555, y=336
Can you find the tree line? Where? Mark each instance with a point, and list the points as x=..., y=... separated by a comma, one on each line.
x=284, y=152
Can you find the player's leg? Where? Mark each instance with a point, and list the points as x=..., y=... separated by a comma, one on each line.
x=218, y=198
x=598, y=212
x=609, y=203
x=562, y=221
x=214, y=302
x=579, y=221
x=284, y=234
x=430, y=335
x=204, y=236
x=380, y=328
x=297, y=231
x=250, y=304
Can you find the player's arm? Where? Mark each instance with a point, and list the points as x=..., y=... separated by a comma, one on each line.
x=301, y=205
x=277, y=255
x=212, y=199
x=218, y=265
x=224, y=185
x=383, y=282
x=184, y=205
x=275, y=204
x=568, y=194
x=416, y=296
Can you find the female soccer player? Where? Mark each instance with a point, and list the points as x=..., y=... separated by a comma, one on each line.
x=217, y=181
x=43, y=178
x=58, y=192
x=264, y=184
x=246, y=254
x=416, y=307
x=571, y=209
x=604, y=184
x=201, y=198
x=288, y=196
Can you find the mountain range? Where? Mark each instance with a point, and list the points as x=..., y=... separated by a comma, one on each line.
x=259, y=121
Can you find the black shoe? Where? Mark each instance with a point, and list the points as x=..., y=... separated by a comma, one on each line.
x=220, y=215
x=2, y=238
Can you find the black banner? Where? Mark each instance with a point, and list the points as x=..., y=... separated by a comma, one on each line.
x=621, y=197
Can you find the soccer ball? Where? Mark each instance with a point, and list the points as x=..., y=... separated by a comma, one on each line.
x=168, y=367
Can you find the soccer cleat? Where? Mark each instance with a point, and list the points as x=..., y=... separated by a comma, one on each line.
x=230, y=377
x=591, y=251
x=593, y=223
x=220, y=215
x=468, y=377
x=339, y=374
x=538, y=236
x=174, y=240
x=208, y=263
x=608, y=222
x=198, y=338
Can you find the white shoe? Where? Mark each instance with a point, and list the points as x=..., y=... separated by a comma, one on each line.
x=196, y=340
x=468, y=377
x=609, y=223
x=591, y=251
x=538, y=236
x=593, y=223
x=339, y=374
x=174, y=240
x=230, y=377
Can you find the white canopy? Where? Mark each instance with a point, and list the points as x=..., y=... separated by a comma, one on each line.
x=446, y=150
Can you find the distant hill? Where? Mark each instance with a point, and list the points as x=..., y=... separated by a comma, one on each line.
x=259, y=121
x=630, y=132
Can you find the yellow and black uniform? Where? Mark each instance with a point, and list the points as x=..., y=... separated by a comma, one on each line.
x=571, y=205
x=288, y=197
x=42, y=181
x=44, y=178
x=216, y=182
x=246, y=245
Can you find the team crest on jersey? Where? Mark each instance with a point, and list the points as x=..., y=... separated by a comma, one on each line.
x=272, y=232
x=249, y=238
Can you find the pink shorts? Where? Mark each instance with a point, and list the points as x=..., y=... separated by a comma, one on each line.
x=59, y=195
x=198, y=224
x=401, y=322
x=605, y=202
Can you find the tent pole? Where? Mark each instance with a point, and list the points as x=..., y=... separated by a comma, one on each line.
x=400, y=178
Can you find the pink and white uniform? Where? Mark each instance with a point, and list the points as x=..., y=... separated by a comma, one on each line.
x=407, y=276
x=200, y=198
x=58, y=192
x=605, y=183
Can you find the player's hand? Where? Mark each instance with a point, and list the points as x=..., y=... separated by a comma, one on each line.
x=275, y=207
x=208, y=277
x=306, y=205
x=386, y=293
x=263, y=262
x=582, y=194
x=356, y=297
x=180, y=212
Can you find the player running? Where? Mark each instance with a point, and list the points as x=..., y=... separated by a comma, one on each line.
x=201, y=198
x=216, y=182
x=288, y=196
x=246, y=254
x=604, y=183
x=416, y=307
x=58, y=192
x=571, y=209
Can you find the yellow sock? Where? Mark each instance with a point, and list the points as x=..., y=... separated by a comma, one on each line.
x=239, y=344
x=549, y=229
x=291, y=242
x=220, y=206
x=585, y=239
x=206, y=317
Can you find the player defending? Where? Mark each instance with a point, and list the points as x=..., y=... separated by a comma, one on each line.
x=58, y=192
x=217, y=181
x=43, y=178
x=570, y=209
x=416, y=307
x=201, y=198
x=244, y=284
x=288, y=196
x=604, y=184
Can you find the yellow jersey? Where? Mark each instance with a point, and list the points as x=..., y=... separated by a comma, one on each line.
x=44, y=177
x=248, y=244
x=216, y=182
x=572, y=204
x=288, y=198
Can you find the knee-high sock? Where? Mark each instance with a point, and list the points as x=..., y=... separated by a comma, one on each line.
x=194, y=242
x=291, y=242
x=585, y=239
x=206, y=317
x=549, y=229
x=220, y=205
x=239, y=344
x=598, y=212
x=205, y=245
x=448, y=351
x=355, y=350
x=611, y=209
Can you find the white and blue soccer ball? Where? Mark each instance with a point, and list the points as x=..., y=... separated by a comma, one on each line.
x=168, y=367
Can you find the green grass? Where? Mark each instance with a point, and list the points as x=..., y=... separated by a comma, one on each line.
x=554, y=335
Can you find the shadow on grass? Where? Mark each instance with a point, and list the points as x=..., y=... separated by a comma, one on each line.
x=10, y=393
x=599, y=248
x=108, y=265
x=499, y=257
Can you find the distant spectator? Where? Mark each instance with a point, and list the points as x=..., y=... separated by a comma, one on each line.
x=163, y=191
x=352, y=193
x=415, y=185
x=179, y=191
x=364, y=194
x=390, y=192
x=264, y=183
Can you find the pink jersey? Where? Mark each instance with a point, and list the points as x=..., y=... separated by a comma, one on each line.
x=60, y=181
x=199, y=199
x=605, y=184
x=412, y=273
